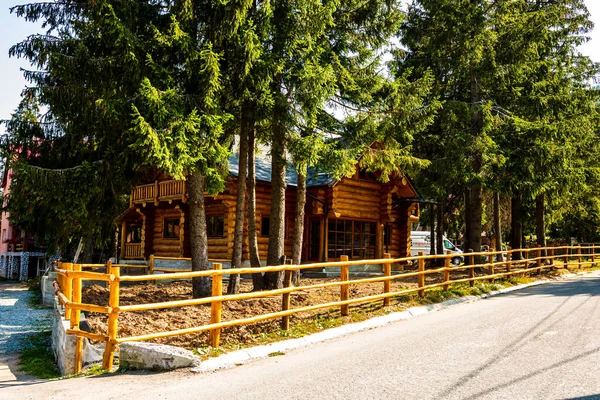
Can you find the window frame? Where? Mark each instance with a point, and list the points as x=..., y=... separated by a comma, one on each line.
x=166, y=221
x=353, y=238
x=210, y=224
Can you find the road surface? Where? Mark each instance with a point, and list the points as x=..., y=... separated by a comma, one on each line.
x=542, y=342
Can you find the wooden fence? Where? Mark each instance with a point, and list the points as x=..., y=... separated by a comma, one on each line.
x=497, y=264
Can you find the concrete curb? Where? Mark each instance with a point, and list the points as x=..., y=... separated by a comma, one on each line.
x=239, y=357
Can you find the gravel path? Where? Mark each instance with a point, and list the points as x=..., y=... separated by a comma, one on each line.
x=18, y=319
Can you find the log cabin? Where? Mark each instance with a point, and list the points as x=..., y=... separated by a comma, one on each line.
x=357, y=216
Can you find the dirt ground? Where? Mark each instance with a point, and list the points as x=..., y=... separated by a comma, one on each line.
x=144, y=322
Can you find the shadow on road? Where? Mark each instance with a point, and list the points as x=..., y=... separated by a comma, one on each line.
x=584, y=286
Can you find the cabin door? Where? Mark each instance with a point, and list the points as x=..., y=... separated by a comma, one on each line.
x=314, y=239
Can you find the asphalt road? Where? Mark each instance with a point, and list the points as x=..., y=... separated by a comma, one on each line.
x=542, y=342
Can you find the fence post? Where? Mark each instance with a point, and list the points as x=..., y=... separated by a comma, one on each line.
x=76, y=319
x=592, y=253
x=508, y=260
x=387, y=285
x=579, y=256
x=471, y=269
x=447, y=269
x=538, y=261
x=566, y=262
x=151, y=265
x=421, y=263
x=68, y=289
x=344, y=277
x=551, y=256
x=216, y=306
x=113, y=318
x=285, y=301
x=491, y=267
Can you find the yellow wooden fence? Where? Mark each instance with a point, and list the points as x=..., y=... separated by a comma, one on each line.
x=69, y=276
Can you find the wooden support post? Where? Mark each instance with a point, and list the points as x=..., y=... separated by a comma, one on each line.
x=447, y=269
x=592, y=253
x=216, y=306
x=68, y=288
x=285, y=301
x=551, y=254
x=421, y=274
x=151, y=265
x=344, y=277
x=567, y=250
x=387, y=285
x=113, y=318
x=76, y=319
x=471, y=269
x=491, y=267
x=579, y=256
x=538, y=261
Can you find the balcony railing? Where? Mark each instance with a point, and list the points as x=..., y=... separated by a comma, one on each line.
x=159, y=191
x=133, y=250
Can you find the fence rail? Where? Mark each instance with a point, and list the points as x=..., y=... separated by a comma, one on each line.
x=497, y=264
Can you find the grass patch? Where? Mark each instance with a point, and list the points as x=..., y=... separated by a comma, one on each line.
x=275, y=354
x=37, y=359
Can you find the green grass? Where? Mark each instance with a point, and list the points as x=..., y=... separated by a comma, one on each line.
x=37, y=359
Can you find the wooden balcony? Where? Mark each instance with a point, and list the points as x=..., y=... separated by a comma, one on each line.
x=133, y=251
x=159, y=191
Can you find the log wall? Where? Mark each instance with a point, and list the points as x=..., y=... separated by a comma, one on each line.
x=350, y=198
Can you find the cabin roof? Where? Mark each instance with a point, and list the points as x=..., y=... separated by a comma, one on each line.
x=263, y=172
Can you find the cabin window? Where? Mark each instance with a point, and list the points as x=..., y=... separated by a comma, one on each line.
x=355, y=239
x=171, y=228
x=215, y=226
x=265, y=226
x=134, y=233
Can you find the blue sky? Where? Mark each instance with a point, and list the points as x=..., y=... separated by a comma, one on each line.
x=13, y=30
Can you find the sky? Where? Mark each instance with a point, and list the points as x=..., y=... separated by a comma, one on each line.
x=14, y=30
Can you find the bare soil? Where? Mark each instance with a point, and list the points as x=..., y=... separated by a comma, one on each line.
x=145, y=322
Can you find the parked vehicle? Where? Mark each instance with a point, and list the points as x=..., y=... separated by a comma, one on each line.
x=421, y=241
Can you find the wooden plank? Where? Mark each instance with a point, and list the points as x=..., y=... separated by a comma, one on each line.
x=447, y=269
x=421, y=278
x=387, y=271
x=344, y=292
x=113, y=317
x=216, y=306
x=285, y=301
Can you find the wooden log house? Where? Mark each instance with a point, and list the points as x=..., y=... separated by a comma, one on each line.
x=356, y=216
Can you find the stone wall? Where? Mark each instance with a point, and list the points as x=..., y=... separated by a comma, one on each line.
x=63, y=344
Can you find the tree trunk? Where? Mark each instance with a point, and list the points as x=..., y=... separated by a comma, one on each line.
x=257, y=279
x=299, y=225
x=240, y=205
x=476, y=211
x=88, y=250
x=497, y=225
x=201, y=286
x=468, y=224
x=540, y=221
x=432, y=229
x=475, y=198
x=275, y=251
x=516, y=224
x=439, y=239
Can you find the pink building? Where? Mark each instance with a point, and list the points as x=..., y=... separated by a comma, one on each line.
x=18, y=257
